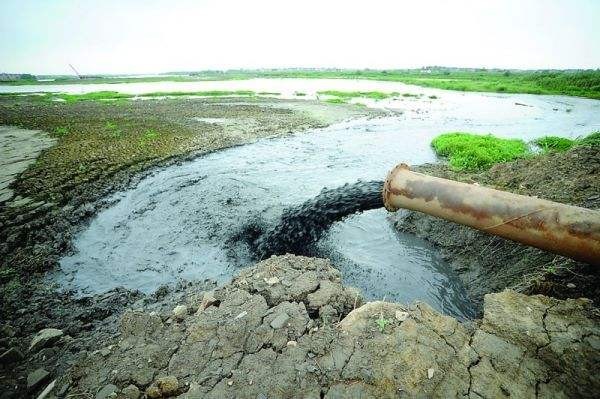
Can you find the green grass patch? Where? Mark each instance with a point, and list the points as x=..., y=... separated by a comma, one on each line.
x=268, y=93
x=472, y=152
x=299, y=94
x=336, y=100
x=374, y=95
x=591, y=140
x=559, y=144
x=61, y=131
x=93, y=96
x=554, y=143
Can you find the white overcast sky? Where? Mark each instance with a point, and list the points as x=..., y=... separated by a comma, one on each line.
x=149, y=36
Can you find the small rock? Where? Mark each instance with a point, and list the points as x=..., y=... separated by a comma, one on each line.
x=280, y=321
x=571, y=285
x=131, y=392
x=430, y=373
x=45, y=338
x=401, y=316
x=168, y=386
x=230, y=383
x=292, y=344
x=272, y=280
x=109, y=391
x=12, y=355
x=207, y=300
x=180, y=312
x=36, y=378
x=153, y=392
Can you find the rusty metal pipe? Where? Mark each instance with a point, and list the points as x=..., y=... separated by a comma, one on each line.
x=562, y=229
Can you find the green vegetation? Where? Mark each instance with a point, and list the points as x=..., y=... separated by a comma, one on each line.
x=299, y=94
x=61, y=131
x=583, y=83
x=149, y=136
x=374, y=95
x=591, y=140
x=382, y=322
x=475, y=152
x=268, y=93
x=433, y=97
x=93, y=96
x=336, y=101
x=554, y=143
x=114, y=130
x=557, y=144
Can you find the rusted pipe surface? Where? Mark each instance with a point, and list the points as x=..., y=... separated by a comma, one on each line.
x=563, y=229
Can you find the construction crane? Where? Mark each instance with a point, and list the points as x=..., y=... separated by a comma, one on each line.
x=75, y=70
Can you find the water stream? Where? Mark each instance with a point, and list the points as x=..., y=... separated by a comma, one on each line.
x=182, y=222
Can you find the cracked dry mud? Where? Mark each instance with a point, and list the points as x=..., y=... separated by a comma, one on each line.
x=287, y=327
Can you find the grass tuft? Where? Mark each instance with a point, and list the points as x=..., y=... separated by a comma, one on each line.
x=477, y=152
x=554, y=143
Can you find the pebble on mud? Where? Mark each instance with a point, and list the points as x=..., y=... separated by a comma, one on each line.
x=179, y=312
x=401, y=316
x=430, y=373
x=45, y=338
x=131, y=392
x=163, y=387
x=272, y=280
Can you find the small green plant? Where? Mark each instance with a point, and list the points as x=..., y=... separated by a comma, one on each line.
x=409, y=95
x=299, y=94
x=149, y=135
x=61, y=131
x=467, y=151
x=268, y=93
x=114, y=130
x=382, y=322
x=433, y=97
